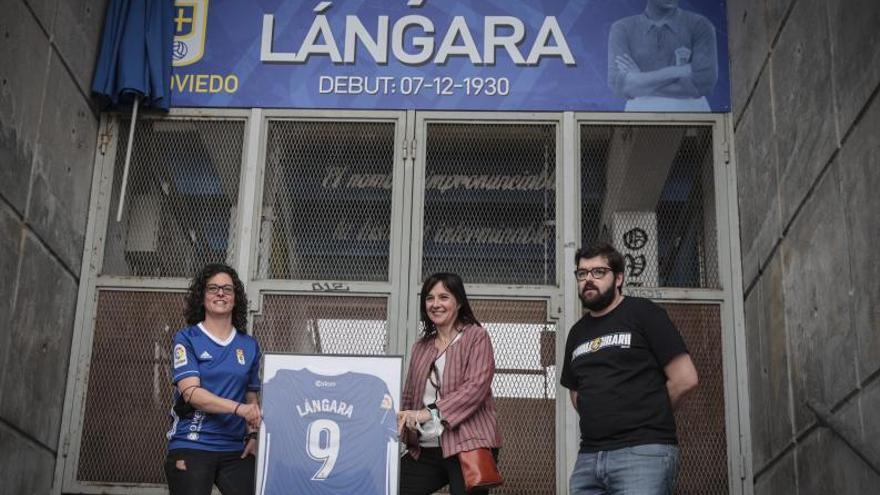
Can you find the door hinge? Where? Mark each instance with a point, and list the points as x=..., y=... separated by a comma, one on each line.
x=409, y=149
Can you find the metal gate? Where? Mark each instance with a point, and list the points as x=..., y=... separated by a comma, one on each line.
x=333, y=219
x=485, y=207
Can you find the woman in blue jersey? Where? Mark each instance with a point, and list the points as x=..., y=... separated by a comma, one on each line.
x=215, y=371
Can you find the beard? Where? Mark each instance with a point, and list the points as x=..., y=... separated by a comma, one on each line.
x=600, y=301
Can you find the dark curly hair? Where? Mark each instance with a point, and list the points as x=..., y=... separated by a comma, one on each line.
x=454, y=285
x=195, y=298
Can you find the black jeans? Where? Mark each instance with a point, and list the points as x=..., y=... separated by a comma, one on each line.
x=194, y=472
x=432, y=472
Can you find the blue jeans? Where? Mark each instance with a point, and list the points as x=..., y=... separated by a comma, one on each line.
x=650, y=469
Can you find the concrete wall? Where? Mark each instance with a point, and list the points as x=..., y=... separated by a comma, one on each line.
x=806, y=76
x=48, y=130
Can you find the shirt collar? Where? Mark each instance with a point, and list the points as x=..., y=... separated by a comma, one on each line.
x=222, y=343
x=669, y=21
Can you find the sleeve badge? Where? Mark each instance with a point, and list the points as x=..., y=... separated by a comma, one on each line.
x=179, y=356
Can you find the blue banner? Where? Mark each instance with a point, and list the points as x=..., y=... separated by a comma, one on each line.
x=533, y=55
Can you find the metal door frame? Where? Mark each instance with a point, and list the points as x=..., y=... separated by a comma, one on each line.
x=389, y=289
x=550, y=293
x=405, y=261
x=728, y=297
x=92, y=283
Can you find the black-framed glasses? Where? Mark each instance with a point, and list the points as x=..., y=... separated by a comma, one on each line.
x=216, y=289
x=597, y=273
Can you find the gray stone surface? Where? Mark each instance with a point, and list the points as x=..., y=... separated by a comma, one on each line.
x=776, y=10
x=779, y=479
x=63, y=169
x=39, y=345
x=10, y=245
x=859, y=162
x=803, y=102
x=748, y=47
x=753, y=307
x=77, y=36
x=768, y=367
x=859, y=421
x=825, y=65
x=44, y=10
x=776, y=359
x=757, y=181
x=816, y=274
x=869, y=405
x=25, y=467
x=827, y=465
x=22, y=45
x=854, y=26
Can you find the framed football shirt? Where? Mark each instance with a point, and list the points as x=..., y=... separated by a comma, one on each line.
x=329, y=424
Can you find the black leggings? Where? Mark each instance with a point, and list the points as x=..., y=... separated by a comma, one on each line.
x=432, y=472
x=194, y=472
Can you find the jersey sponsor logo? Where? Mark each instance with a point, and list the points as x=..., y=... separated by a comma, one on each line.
x=311, y=406
x=179, y=356
x=324, y=383
x=619, y=339
x=239, y=354
x=205, y=355
x=195, y=425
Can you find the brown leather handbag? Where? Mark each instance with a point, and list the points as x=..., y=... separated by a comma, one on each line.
x=479, y=469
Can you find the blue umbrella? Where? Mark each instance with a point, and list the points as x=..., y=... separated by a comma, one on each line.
x=134, y=66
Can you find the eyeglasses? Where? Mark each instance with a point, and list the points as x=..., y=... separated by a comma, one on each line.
x=597, y=273
x=216, y=289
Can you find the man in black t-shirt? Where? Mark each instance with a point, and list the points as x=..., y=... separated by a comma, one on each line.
x=626, y=368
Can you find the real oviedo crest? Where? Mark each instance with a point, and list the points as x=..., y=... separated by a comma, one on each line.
x=190, y=26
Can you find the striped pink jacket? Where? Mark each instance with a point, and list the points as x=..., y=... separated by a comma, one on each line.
x=466, y=404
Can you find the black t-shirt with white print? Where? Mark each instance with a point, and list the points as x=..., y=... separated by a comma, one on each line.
x=615, y=363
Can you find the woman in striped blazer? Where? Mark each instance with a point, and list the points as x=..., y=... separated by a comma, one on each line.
x=447, y=405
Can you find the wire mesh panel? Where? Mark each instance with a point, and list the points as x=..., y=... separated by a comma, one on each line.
x=327, y=201
x=525, y=392
x=323, y=324
x=129, y=388
x=650, y=191
x=700, y=419
x=490, y=202
x=181, y=199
